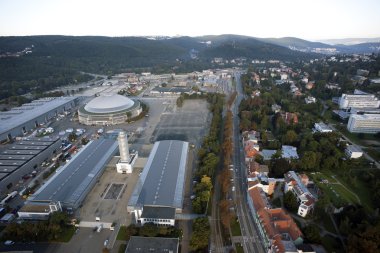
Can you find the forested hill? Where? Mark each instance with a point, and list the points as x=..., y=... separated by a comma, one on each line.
x=43, y=62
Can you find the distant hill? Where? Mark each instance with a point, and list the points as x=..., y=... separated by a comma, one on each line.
x=233, y=46
x=323, y=48
x=350, y=41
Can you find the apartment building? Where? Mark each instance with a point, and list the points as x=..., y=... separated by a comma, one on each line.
x=358, y=101
x=278, y=232
x=365, y=123
x=298, y=186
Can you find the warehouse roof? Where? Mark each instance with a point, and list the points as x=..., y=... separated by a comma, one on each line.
x=152, y=244
x=162, y=180
x=27, y=112
x=158, y=212
x=70, y=183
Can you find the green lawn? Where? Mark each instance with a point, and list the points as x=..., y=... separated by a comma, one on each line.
x=66, y=234
x=239, y=248
x=338, y=194
x=332, y=244
x=122, y=248
x=235, y=227
x=122, y=233
x=328, y=224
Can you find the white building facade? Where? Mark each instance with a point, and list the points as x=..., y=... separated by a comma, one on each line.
x=366, y=123
x=358, y=101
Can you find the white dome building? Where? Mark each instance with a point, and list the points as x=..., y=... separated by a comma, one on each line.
x=108, y=110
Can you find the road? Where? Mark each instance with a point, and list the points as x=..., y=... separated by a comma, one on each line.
x=251, y=240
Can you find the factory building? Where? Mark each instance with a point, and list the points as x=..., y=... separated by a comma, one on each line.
x=108, y=110
x=20, y=120
x=70, y=184
x=23, y=157
x=162, y=180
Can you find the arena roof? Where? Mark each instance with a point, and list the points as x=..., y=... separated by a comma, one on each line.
x=109, y=104
x=162, y=180
x=72, y=182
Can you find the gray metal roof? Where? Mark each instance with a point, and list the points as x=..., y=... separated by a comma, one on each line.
x=35, y=143
x=19, y=115
x=158, y=212
x=139, y=244
x=21, y=152
x=24, y=147
x=162, y=180
x=11, y=162
x=7, y=169
x=2, y=175
x=71, y=182
x=15, y=157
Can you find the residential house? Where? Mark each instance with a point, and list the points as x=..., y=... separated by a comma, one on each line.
x=353, y=152
x=322, y=128
x=305, y=199
x=309, y=85
x=276, y=108
x=289, y=152
x=267, y=154
x=310, y=100
x=261, y=181
x=290, y=118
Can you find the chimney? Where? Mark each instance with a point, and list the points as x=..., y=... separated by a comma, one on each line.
x=123, y=147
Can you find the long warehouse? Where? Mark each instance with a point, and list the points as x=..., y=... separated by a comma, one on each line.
x=23, y=157
x=20, y=120
x=162, y=181
x=71, y=184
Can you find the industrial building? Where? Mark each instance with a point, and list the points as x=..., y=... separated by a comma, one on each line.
x=162, y=180
x=23, y=157
x=71, y=183
x=108, y=110
x=366, y=123
x=152, y=244
x=20, y=120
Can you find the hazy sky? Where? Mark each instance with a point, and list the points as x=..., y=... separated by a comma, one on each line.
x=308, y=19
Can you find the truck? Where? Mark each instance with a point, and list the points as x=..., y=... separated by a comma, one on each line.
x=8, y=197
x=99, y=228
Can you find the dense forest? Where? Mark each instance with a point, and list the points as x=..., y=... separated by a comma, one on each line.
x=54, y=61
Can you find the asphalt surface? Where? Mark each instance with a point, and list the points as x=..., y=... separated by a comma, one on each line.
x=251, y=240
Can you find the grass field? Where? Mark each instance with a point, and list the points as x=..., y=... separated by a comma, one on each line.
x=122, y=248
x=66, y=234
x=235, y=227
x=122, y=233
x=340, y=192
x=239, y=248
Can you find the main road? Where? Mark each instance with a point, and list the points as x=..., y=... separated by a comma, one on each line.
x=251, y=240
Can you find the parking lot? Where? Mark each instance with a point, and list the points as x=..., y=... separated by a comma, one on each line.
x=187, y=123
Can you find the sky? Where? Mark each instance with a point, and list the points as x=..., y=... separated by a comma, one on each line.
x=306, y=19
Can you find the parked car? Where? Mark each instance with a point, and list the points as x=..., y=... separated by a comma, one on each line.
x=9, y=242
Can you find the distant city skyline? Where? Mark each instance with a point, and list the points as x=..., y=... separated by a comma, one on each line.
x=306, y=19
